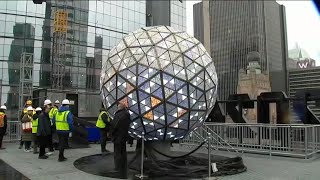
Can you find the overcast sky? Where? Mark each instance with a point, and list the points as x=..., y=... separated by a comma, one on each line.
x=303, y=25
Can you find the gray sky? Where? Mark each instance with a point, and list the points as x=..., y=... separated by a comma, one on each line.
x=303, y=25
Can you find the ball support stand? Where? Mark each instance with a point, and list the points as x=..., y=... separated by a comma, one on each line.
x=141, y=175
x=209, y=159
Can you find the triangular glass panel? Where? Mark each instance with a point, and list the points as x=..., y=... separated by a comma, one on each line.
x=168, y=92
x=178, y=39
x=169, y=44
x=155, y=64
x=141, y=69
x=142, y=96
x=148, y=115
x=171, y=38
x=133, y=69
x=158, y=125
x=190, y=74
x=175, y=48
x=162, y=44
x=158, y=93
x=141, y=80
x=156, y=79
x=155, y=102
x=146, y=49
x=156, y=38
x=176, y=69
x=159, y=111
x=173, y=99
x=154, y=87
x=163, y=63
x=169, y=69
x=170, y=119
x=164, y=34
x=174, y=55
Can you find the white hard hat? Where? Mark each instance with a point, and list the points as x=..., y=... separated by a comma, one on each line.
x=30, y=108
x=3, y=107
x=57, y=102
x=47, y=102
x=65, y=102
x=38, y=109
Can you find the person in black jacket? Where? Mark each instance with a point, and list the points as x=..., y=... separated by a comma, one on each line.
x=3, y=124
x=44, y=131
x=120, y=126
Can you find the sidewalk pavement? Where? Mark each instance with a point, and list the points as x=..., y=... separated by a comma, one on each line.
x=260, y=167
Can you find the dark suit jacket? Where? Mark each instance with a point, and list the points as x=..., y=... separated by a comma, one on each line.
x=120, y=126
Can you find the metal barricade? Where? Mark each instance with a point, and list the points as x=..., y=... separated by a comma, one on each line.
x=291, y=140
x=13, y=131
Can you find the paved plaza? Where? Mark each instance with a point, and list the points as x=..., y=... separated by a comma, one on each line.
x=259, y=167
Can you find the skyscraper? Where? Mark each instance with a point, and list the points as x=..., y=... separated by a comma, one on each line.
x=240, y=27
x=166, y=12
x=94, y=27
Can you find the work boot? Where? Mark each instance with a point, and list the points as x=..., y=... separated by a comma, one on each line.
x=62, y=159
x=43, y=157
x=2, y=148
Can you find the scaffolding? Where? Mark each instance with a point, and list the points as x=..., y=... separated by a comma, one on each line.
x=59, y=47
x=26, y=80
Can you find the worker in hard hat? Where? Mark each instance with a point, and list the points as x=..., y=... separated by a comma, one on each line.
x=27, y=136
x=103, y=123
x=24, y=112
x=53, y=111
x=3, y=124
x=48, y=103
x=63, y=122
x=35, y=119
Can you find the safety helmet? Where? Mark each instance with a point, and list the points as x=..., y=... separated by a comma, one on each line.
x=57, y=102
x=29, y=102
x=65, y=102
x=30, y=108
x=3, y=107
x=38, y=109
x=47, y=102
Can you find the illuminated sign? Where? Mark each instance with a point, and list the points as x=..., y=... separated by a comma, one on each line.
x=303, y=64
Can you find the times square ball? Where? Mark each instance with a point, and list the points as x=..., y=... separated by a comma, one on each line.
x=166, y=79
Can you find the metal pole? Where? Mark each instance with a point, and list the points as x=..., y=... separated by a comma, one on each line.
x=141, y=175
x=209, y=155
x=270, y=141
x=142, y=154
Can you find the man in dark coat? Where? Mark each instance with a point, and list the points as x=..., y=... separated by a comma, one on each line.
x=120, y=126
x=3, y=124
x=44, y=131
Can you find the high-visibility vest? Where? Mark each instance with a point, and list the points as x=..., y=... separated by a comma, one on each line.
x=100, y=123
x=35, y=125
x=53, y=111
x=2, y=114
x=62, y=121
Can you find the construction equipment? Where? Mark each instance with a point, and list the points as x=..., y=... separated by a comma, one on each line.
x=26, y=79
x=59, y=47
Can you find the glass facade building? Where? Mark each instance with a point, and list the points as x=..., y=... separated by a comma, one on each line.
x=94, y=27
x=240, y=27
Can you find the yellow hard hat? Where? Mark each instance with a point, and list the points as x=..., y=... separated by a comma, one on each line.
x=29, y=102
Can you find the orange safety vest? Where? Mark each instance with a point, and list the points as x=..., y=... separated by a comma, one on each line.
x=2, y=119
